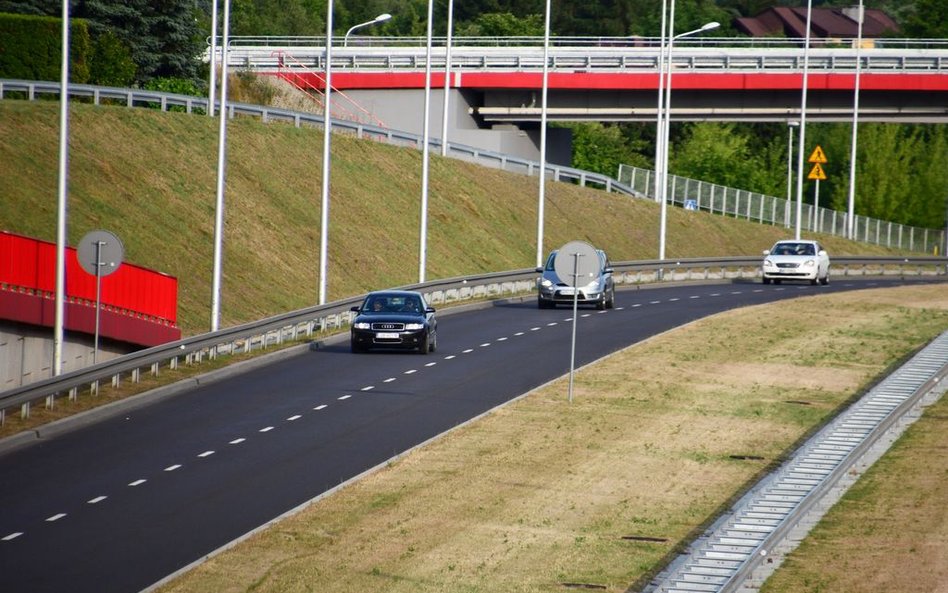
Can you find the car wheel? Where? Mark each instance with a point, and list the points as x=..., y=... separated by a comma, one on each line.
x=425, y=346
x=356, y=348
x=826, y=279
x=434, y=344
x=777, y=281
x=766, y=280
x=611, y=303
x=601, y=305
x=815, y=281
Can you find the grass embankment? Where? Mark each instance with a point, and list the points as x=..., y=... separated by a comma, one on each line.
x=150, y=178
x=544, y=494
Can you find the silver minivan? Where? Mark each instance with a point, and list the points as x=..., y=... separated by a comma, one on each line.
x=600, y=291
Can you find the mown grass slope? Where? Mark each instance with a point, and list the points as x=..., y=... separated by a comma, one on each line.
x=150, y=177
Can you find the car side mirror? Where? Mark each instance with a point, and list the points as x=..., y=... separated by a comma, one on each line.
x=766, y=252
x=607, y=271
x=356, y=309
x=539, y=269
x=429, y=310
x=822, y=252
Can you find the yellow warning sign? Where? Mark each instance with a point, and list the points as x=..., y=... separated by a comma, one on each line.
x=817, y=173
x=817, y=156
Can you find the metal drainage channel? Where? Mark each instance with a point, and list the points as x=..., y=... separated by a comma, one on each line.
x=747, y=537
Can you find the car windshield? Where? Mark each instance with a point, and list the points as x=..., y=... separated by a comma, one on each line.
x=393, y=304
x=794, y=249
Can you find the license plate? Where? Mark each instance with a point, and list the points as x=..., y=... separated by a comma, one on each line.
x=386, y=336
x=567, y=291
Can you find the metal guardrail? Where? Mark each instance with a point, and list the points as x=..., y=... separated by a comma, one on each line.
x=578, y=41
x=307, y=322
x=34, y=90
x=268, y=56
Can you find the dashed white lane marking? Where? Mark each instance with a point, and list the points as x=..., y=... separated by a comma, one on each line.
x=715, y=294
x=171, y=468
x=205, y=454
x=695, y=296
x=518, y=334
x=137, y=482
x=389, y=380
x=654, y=302
x=737, y=292
x=266, y=429
x=758, y=290
x=55, y=517
x=237, y=441
x=431, y=364
x=12, y=536
x=552, y=323
x=584, y=315
x=96, y=500
x=468, y=351
x=412, y=371
x=368, y=388
x=320, y=407
x=636, y=305
x=501, y=339
x=535, y=329
x=449, y=357
x=294, y=418
x=343, y=397
x=485, y=344
x=673, y=300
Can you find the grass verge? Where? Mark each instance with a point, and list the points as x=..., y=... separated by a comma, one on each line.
x=543, y=495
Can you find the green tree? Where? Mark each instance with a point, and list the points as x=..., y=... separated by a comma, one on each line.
x=110, y=62
x=601, y=148
x=504, y=25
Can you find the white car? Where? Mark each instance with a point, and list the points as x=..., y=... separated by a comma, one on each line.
x=796, y=260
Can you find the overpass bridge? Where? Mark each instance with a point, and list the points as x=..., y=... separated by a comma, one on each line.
x=495, y=84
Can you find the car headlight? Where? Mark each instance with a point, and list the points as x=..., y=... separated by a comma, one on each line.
x=809, y=263
x=361, y=325
x=414, y=326
x=767, y=262
x=546, y=283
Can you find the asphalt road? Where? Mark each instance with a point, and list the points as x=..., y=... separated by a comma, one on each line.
x=118, y=505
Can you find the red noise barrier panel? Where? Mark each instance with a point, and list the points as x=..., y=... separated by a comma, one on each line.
x=138, y=305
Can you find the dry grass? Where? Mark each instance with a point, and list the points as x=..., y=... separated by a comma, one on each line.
x=543, y=493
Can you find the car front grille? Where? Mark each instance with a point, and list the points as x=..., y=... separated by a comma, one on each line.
x=388, y=326
x=788, y=265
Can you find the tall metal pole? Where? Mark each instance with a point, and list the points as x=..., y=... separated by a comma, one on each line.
x=423, y=250
x=786, y=210
x=541, y=200
x=663, y=178
x=221, y=172
x=660, y=123
x=327, y=141
x=212, y=88
x=801, y=146
x=447, y=81
x=62, y=186
x=851, y=211
x=98, y=297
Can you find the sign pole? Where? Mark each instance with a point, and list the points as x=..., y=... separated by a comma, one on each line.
x=98, y=296
x=572, y=353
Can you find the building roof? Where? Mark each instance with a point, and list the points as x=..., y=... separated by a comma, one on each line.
x=825, y=22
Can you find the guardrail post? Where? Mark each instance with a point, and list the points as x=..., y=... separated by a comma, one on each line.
x=25, y=410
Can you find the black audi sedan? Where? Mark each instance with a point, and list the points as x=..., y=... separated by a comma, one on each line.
x=394, y=319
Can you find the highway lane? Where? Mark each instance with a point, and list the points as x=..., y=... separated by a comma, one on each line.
x=118, y=505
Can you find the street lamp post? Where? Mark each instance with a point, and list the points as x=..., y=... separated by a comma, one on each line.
x=379, y=19
x=851, y=211
x=667, y=121
x=786, y=210
x=423, y=240
x=327, y=147
x=802, y=145
x=541, y=200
